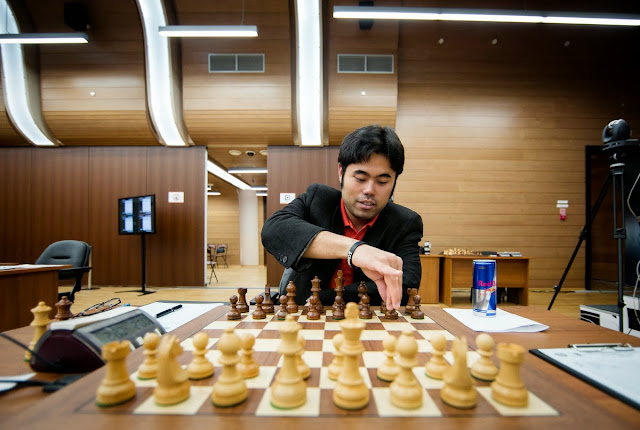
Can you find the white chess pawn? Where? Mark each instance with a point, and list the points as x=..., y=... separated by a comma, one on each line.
x=248, y=366
x=338, y=359
x=437, y=365
x=389, y=369
x=200, y=367
x=483, y=368
x=405, y=391
x=230, y=388
x=149, y=367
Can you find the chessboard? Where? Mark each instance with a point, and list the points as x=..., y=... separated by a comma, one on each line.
x=318, y=354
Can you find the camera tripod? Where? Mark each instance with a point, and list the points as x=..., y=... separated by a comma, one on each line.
x=616, y=175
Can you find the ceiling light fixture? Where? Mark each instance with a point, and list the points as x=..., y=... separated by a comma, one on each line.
x=208, y=31
x=25, y=116
x=263, y=194
x=256, y=170
x=218, y=171
x=482, y=15
x=43, y=38
x=309, y=72
x=213, y=193
x=259, y=188
x=160, y=85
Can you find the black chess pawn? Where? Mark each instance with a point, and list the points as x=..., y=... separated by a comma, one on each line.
x=391, y=314
x=313, y=313
x=362, y=290
x=282, y=313
x=234, y=313
x=365, y=312
x=410, y=307
x=242, y=300
x=417, y=313
x=267, y=304
x=338, y=311
x=64, y=309
x=315, y=290
x=259, y=313
x=292, y=306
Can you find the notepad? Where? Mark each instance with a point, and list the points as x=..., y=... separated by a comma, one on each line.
x=612, y=370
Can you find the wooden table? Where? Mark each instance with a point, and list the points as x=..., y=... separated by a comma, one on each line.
x=429, y=289
x=511, y=273
x=21, y=289
x=579, y=404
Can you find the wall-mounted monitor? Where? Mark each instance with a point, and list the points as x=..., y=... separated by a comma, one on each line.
x=137, y=215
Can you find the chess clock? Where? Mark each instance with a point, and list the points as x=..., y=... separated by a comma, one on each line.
x=75, y=346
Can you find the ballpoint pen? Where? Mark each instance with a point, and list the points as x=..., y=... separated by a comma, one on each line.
x=168, y=311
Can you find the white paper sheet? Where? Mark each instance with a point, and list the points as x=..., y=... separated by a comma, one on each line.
x=173, y=320
x=502, y=322
x=4, y=386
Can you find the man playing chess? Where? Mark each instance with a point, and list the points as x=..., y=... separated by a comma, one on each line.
x=357, y=230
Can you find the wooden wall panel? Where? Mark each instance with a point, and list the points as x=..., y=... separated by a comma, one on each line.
x=347, y=108
x=236, y=108
x=494, y=138
x=71, y=193
x=292, y=170
x=176, y=253
x=60, y=196
x=15, y=205
x=115, y=173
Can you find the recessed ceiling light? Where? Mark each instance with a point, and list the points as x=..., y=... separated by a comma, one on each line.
x=263, y=152
x=235, y=152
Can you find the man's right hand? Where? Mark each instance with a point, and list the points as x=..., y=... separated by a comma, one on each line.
x=383, y=268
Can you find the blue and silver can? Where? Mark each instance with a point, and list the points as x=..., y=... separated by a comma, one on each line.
x=484, y=289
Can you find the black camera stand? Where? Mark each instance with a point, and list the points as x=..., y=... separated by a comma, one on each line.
x=616, y=175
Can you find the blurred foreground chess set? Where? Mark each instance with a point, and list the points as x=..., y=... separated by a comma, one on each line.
x=307, y=361
x=289, y=364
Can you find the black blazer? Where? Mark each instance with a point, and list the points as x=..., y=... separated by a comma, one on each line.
x=288, y=233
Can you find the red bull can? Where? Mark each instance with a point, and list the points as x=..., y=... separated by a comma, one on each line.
x=484, y=289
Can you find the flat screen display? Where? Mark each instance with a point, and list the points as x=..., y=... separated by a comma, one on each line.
x=137, y=215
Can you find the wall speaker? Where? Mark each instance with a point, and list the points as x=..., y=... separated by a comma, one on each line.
x=365, y=24
x=76, y=16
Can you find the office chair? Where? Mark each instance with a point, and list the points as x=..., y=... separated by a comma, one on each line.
x=211, y=261
x=221, y=251
x=71, y=252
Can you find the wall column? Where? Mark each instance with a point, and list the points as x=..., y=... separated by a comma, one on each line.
x=248, y=218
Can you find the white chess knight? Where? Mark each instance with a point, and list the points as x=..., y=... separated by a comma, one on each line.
x=173, y=381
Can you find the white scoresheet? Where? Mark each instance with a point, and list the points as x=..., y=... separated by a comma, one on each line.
x=172, y=320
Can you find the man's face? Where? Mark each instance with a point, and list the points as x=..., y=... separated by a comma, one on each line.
x=366, y=188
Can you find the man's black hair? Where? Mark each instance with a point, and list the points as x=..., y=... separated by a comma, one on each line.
x=358, y=146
